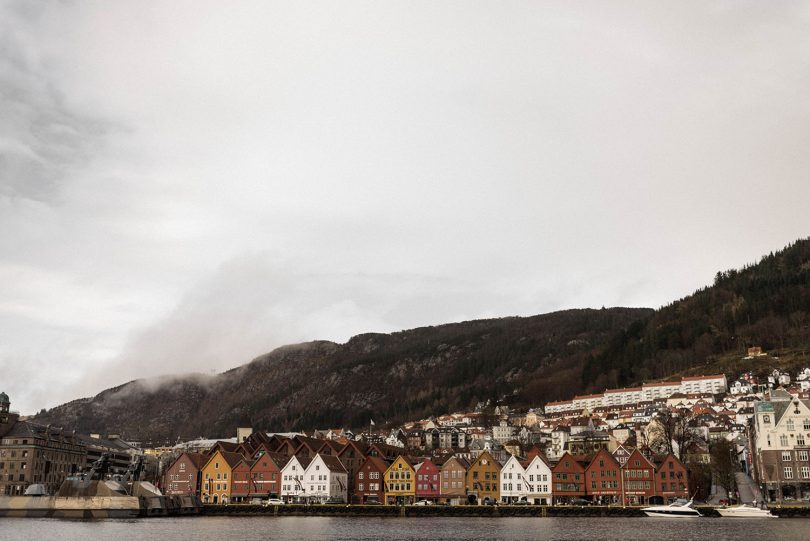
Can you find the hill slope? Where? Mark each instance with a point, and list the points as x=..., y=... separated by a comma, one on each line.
x=431, y=370
x=385, y=377
x=766, y=304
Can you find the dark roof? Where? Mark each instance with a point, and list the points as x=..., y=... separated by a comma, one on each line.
x=333, y=463
x=198, y=460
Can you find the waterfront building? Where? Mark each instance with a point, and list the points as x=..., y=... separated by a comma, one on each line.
x=241, y=482
x=369, y=481
x=453, y=489
x=217, y=475
x=265, y=474
x=483, y=478
x=603, y=480
x=399, y=482
x=182, y=478
x=638, y=474
x=512, y=485
x=780, y=445
x=537, y=478
x=292, y=478
x=568, y=478
x=427, y=481
x=32, y=453
x=325, y=479
x=671, y=478
x=352, y=456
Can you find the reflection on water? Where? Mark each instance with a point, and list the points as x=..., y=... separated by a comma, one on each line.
x=399, y=529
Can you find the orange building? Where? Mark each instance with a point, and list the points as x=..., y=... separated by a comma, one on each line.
x=483, y=478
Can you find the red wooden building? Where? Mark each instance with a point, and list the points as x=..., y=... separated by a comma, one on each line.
x=639, y=479
x=182, y=478
x=603, y=479
x=671, y=480
x=369, y=481
x=568, y=478
x=427, y=481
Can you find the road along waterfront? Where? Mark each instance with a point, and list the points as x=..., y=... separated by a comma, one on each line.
x=401, y=529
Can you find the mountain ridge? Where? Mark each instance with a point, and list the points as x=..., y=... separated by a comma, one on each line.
x=414, y=373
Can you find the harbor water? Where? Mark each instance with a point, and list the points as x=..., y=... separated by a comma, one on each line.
x=403, y=529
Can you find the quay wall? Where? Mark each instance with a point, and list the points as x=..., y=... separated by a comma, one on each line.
x=458, y=511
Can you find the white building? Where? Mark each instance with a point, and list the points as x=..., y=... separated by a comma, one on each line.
x=647, y=392
x=537, y=481
x=503, y=432
x=512, y=487
x=292, y=478
x=326, y=479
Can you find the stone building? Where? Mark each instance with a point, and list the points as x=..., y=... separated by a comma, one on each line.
x=780, y=444
x=35, y=454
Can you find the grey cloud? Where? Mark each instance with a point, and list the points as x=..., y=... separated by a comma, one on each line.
x=41, y=139
x=185, y=185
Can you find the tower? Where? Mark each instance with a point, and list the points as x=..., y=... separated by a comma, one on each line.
x=4, y=406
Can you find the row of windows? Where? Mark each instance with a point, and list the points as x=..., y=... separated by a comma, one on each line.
x=801, y=456
x=371, y=475
x=606, y=484
x=371, y=486
x=805, y=472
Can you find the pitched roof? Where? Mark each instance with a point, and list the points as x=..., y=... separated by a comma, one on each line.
x=333, y=463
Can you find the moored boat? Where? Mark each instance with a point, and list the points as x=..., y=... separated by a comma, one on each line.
x=744, y=511
x=677, y=509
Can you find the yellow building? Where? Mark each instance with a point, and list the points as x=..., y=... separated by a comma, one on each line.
x=483, y=476
x=217, y=476
x=400, y=487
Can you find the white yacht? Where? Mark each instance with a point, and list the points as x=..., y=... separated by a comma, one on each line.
x=677, y=509
x=744, y=511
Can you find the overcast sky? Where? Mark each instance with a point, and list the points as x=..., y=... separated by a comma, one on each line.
x=187, y=185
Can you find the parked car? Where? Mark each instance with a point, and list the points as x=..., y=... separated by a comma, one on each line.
x=274, y=501
x=521, y=502
x=580, y=501
x=423, y=502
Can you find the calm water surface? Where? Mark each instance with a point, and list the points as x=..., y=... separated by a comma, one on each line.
x=398, y=529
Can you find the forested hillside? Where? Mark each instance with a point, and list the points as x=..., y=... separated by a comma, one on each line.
x=432, y=370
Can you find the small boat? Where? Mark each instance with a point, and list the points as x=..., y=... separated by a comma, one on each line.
x=744, y=511
x=677, y=509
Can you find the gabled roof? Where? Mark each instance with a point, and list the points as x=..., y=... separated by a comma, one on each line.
x=197, y=460
x=232, y=459
x=461, y=461
x=225, y=446
x=279, y=459
x=637, y=453
x=379, y=464
x=333, y=463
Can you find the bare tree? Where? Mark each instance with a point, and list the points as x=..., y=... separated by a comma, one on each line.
x=670, y=432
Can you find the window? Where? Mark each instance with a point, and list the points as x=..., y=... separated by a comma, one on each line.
x=783, y=440
x=360, y=476
x=803, y=456
x=800, y=439
x=805, y=472
x=806, y=424
x=788, y=472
